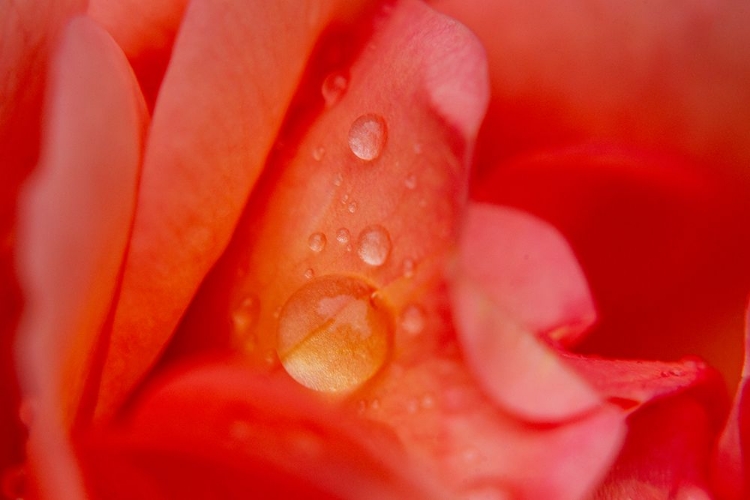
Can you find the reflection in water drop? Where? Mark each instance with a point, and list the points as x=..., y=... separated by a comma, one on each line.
x=352, y=207
x=333, y=88
x=309, y=274
x=367, y=136
x=374, y=245
x=343, y=235
x=317, y=242
x=331, y=336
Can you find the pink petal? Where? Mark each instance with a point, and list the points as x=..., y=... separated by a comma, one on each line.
x=29, y=29
x=517, y=279
x=75, y=222
x=254, y=435
x=234, y=68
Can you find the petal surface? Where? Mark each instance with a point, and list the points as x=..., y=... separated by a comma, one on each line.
x=221, y=104
x=75, y=221
x=516, y=280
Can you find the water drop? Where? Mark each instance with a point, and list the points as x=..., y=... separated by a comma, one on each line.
x=411, y=181
x=317, y=242
x=318, y=153
x=344, y=199
x=418, y=148
x=352, y=207
x=333, y=88
x=338, y=180
x=367, y=136
x=343, y=235
x=412, y=406
x=408, y=268
x=244, y=318
x=374, y=245
x=375, y=405
x=412, y=319
x=309, y=274
x=427, y=402
x=331, y=336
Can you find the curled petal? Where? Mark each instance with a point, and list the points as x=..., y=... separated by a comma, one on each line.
x=75, y=222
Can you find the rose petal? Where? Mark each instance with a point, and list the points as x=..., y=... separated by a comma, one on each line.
x=667, y=76
x=74, y=226
x=730, y=466
x=29, y=29
x=146, y=31
x=661, y=244
x=255, y=434
x=221, y=104
x=665, y=454
x=413, y=189
x=517, y=279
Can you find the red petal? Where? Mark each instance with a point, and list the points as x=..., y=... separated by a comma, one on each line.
x=518, y=279
x=234, y=68
x=661, y=243
x=667, y=76
x=254, y=435
x=146, y=31
x=75, y=222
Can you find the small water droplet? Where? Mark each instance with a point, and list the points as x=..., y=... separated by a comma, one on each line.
x=331, y=336
x=367, y=136
x=412, y=406
x=375, y=404
x=374, y=245
x=343, y=235
x=333, y=88
x=408, y=268
x=361, y=406
x=427, y=402
x=309, y=274
x=411, y=181
x=349, y=247
x=352, y=207
x=244, y=318
x=317, y=242
x=412, y=319
x=344, y=199
x=318, y=153
x=338, y=180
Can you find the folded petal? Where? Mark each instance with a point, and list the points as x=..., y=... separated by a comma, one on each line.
x=516, y=280
x=75, y=221
x=233, y=71
x=255, y=435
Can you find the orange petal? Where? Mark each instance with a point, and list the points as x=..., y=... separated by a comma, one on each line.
x=74, y=226
x=517, y=279
x=254, y=435
x=234, y=68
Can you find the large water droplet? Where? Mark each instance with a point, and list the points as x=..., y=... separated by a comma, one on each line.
x=367, y=136
x=317, y=242
x=374, y=245
x=331, y=336
x=333, y=88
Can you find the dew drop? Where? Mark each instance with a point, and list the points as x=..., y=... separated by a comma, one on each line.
x=331, y=336
x=374, y=245
x=408, y=268
x=411, y=181
x=317, y=242
x=244, y=318
x=333, y=88
x=412, y=319
x=367, y=136
x=343, y=236
x=344, y=199
x=309, y=274
x=338, y=180
x=352, y=207
x=318, y=153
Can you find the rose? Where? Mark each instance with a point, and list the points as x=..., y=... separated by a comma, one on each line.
x=499, y=395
